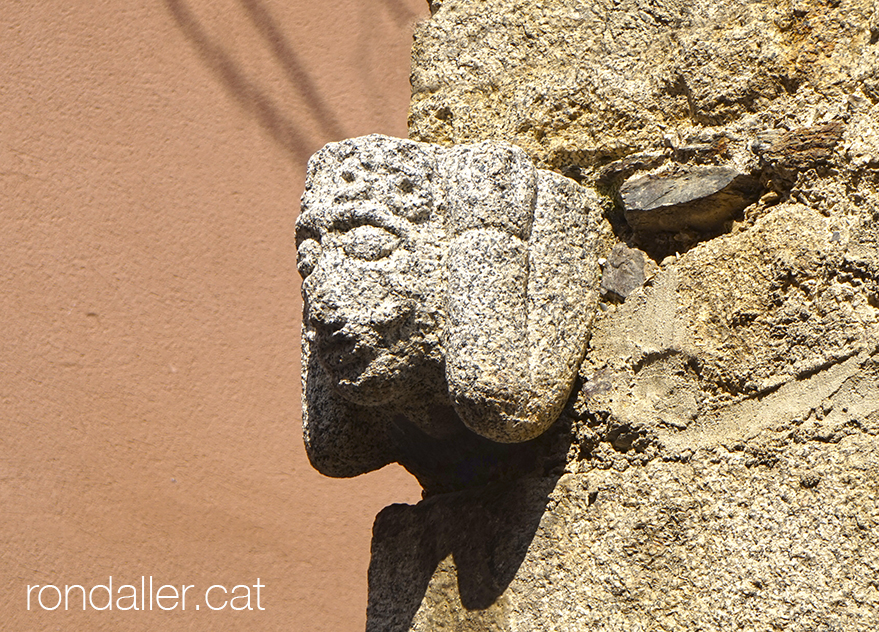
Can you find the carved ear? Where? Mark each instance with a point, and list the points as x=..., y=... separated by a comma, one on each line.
x=522, y=290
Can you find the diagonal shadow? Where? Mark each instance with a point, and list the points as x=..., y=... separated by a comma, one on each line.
x=401, y=13
x=248, y=95
x=297, y=75
x=487, y=532
x=372, y=73
x=484, y=507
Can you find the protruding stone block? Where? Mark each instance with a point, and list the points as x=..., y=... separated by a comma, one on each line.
x=701, y=199
x=437, y=277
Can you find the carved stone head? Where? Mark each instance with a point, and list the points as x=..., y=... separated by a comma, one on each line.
x=371, y=237
x=438, y=277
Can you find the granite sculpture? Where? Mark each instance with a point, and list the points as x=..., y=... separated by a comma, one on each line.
x=442, y=286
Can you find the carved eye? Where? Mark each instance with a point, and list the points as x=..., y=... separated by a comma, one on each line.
x=369, y=242
x=307, y=256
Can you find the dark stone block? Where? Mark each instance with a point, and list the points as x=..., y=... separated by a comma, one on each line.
x=625, y=270
x=701, y=199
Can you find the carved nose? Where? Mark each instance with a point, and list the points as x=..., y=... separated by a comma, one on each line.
x=338, y=347
x=321, y=307
x=323, y=314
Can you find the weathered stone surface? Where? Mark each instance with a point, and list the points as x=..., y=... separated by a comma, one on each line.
x=522, y=289
x=803, y=148
x=723, y=466
x=441, y=286
x=749, y=317
x=731, y=539
x=717, y=464
x=578, y=83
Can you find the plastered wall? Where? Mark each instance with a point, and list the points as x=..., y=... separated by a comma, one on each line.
x=151, y=162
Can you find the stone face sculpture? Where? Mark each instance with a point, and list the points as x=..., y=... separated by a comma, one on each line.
x=433, y=278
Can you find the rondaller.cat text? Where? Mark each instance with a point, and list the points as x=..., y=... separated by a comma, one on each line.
x=147, y=596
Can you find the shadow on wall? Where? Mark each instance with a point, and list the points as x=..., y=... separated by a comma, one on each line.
x=368, y=63
x=401, y=13
x=254, y=100
x=476, y=538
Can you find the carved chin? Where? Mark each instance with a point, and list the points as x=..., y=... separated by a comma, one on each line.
x=366, y=381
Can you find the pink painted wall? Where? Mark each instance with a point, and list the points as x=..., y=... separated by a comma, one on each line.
x=151, y=163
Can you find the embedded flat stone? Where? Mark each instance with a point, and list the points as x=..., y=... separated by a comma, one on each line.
x=701, y=199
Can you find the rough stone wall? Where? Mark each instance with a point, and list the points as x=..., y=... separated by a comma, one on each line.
x=578, y=83
x=725, y=541
x=716, y=467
